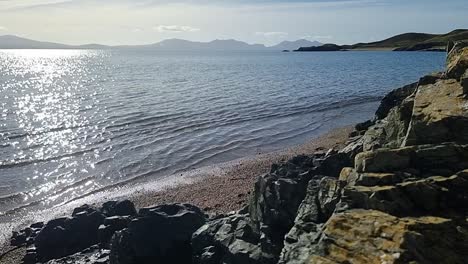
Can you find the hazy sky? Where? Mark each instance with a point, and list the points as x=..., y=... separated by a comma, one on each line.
x=264, y=21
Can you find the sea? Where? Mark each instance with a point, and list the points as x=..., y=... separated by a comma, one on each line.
x=76, y=122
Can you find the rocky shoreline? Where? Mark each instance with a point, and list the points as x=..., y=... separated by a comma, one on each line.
x=396, y=193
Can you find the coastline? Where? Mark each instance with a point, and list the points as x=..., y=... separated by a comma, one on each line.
x=218, y=189
x=227, y=186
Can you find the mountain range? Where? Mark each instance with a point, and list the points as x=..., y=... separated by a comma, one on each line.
x=15, y=42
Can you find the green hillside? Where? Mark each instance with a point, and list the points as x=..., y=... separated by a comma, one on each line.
x=415, y=41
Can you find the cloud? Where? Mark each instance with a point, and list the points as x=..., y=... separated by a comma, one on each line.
x=322, y=37
x=176, y=29
x=272, y=34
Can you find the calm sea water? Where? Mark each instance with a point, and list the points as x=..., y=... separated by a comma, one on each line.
x=74, y=121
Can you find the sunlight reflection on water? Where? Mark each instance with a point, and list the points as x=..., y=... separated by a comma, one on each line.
x=74, y=122
x=43, y=96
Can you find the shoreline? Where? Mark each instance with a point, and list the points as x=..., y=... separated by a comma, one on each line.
x=226, y=187
x=218, y=188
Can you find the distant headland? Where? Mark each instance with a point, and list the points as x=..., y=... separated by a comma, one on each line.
x=402, y=42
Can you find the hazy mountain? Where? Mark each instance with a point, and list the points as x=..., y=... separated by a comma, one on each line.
x=220, y=45
x=294, y=45
x=14, y=42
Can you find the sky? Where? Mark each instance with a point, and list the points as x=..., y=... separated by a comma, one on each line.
x=116, y=22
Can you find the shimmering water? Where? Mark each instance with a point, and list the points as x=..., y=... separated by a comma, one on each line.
x=72, y=122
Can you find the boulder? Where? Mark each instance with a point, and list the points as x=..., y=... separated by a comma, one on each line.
x=391, y=131
x=393, y=99
x=119, y=208
x=323, y=194
x=457, y=60
x=110, y=226
x=439, y=114
x=367, y=236
x=65, y=236
x=230, y=239
x=158, y=234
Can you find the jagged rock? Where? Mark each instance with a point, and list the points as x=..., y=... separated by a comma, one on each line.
x=439, y=114
x=110, y=226
x=393, y=99
x=277, y=196
x=457, y=60
x=353, y=147
x=437, y=195
x=158, y=234
x=367, y=237
x=391, y=131
x=64, y=236
x=430, y=78
x=231, y=239
x=364, y=125
x=443, y=159
x=119, y=208
x=322, y=196
x=92, y=255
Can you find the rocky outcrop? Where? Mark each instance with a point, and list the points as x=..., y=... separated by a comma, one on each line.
x=405, y=199
x=368, y=236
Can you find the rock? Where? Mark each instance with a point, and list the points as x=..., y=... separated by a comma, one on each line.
x=366, y=236
x=92, y=255
x=322, y=196
x=119, y=208
x=230, y=239
x=393, y=99
x=457, y=60
x=110, y=226
x=64, y=236
x=431, y=78
x=464, y=82
x=158, y=234
x=436, y=195
x=364, y=125
x=391, y=131
x=85, y=208
x=439, y=114
x=444, y=159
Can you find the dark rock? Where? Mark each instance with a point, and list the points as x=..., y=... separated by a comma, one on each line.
x=394, y=98
x=110, y=226
x=93, y=255
x=159, y=234
x=322, y=196
x=364, y=125
x=231, y=239
x=118, y=208
x=64, y=236
x=85, y=208
x=431, y=78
